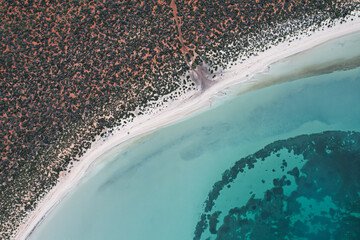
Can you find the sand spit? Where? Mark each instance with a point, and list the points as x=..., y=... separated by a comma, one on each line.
x=189, y=105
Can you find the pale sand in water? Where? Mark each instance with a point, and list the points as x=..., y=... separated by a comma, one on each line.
x=188, y=105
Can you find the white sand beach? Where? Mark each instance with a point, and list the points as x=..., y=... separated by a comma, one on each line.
x=189, y=105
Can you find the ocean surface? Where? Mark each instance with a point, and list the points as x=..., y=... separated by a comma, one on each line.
x=276, y=162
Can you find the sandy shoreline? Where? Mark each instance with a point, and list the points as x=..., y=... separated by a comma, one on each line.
x=190, y=104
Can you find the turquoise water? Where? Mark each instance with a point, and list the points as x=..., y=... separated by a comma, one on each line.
x=305, y=187
x=157, y=188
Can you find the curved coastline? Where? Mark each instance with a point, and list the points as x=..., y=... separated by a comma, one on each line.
x=189, y=105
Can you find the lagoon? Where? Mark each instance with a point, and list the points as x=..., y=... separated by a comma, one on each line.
x=156, y=187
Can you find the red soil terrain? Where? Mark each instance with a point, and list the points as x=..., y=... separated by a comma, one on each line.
x=64, y=65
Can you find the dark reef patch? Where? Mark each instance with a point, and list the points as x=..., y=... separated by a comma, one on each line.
x=324, y=202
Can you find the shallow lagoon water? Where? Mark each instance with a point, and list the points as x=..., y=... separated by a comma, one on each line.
x=157, y=187
x=306, y=187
